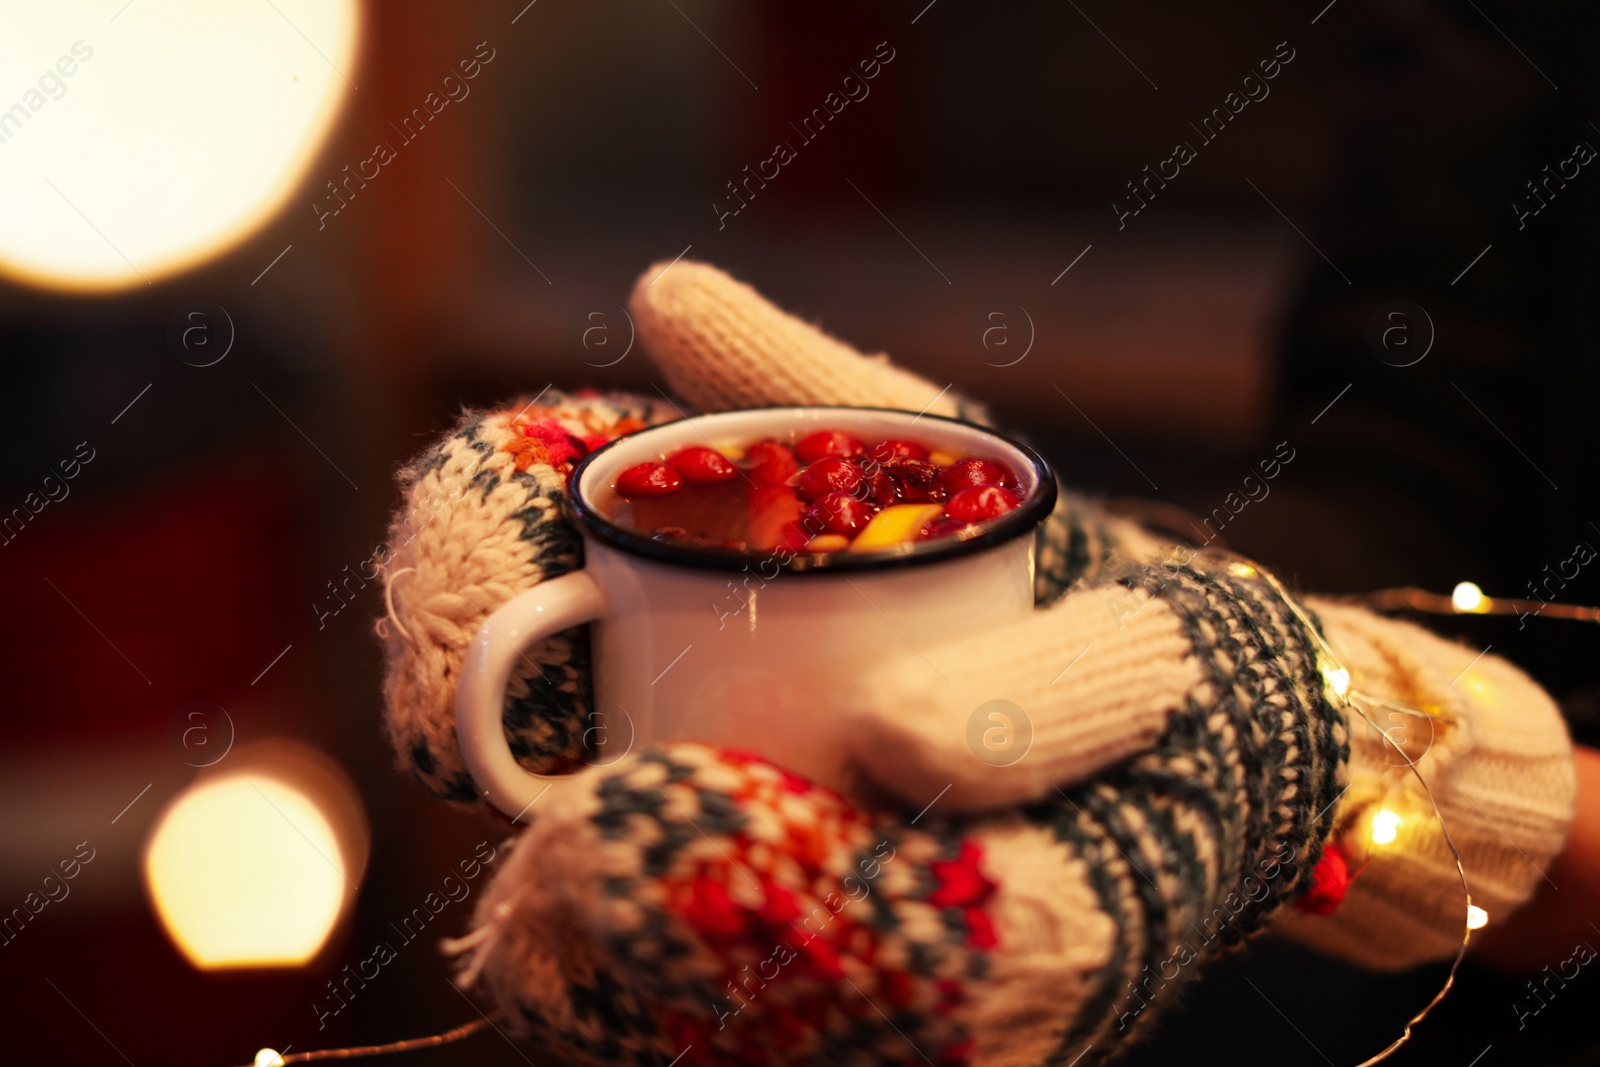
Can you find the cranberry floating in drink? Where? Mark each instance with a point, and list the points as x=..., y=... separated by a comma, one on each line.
x=648, y=479
x=699, y=465
x=830, y=474
x=826, y=492
x=884, y=451
x=770, y=463
x=979, y=503
x=827, y=443
x=965, y=473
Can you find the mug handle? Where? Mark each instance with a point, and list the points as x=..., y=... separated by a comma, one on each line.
x=530, y=616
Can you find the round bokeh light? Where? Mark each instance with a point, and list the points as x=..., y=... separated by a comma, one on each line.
x=138, y=139
x=254, y=864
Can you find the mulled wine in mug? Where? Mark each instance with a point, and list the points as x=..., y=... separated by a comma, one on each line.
x=743, y=567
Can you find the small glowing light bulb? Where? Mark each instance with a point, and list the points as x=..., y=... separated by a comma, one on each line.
x=1477, y=918
x=1337, y=678
x=1385, y=826
x=268, y=1058
x=1467, y=597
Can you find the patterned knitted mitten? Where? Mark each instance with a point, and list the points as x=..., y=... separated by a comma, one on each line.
x=1185, y=770
x=484, y=517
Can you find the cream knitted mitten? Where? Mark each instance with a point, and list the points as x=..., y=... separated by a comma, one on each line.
x=722, y=346
x=1096, y=676
x=1495, y=753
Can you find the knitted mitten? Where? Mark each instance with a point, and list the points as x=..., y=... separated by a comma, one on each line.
x=1186, y=767
x=1098, y=677
x=484, y=517
x=1492, y=744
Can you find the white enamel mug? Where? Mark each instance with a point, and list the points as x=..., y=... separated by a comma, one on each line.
x=755, y=652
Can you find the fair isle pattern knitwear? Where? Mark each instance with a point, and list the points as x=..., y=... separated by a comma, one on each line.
x=484, y=518
x=1080, y=536
x=705, y=898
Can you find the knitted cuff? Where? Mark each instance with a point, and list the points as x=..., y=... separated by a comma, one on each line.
x=484, y=517
x=1201, y=840
x=1079, y=539
x=1495, y=753
x=722, y=345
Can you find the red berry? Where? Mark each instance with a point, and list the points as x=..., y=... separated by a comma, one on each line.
x=894, y=448
x=975, y=471
x=771, y=463
x=829, y=475
x=700, y=465
x=880, y=489
x=647, y=480
x=980, y=503
x=916, y=480
x=828, y=443
x=839, y=513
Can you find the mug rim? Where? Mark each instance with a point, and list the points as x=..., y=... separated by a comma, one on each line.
x=1014, y=524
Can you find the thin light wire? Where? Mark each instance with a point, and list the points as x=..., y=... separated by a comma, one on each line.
x=409, y=1045
x=1436, y=604
x=1466, y=927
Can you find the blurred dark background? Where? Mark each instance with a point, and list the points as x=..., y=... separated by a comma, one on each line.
x=959, y=215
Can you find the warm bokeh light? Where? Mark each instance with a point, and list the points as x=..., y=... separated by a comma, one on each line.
x=1477, y=918
x=1467, y=597
x=1385, y=827
x=1337, y=678
x=137, y=142
x=250, y=868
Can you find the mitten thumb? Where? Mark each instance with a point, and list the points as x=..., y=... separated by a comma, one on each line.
x=722, y=345
x=1002, y=717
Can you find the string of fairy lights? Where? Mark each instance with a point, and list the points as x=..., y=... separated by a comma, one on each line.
x=1383, y=827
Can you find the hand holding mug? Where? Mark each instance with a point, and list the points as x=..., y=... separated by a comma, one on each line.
x=1183, y=771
